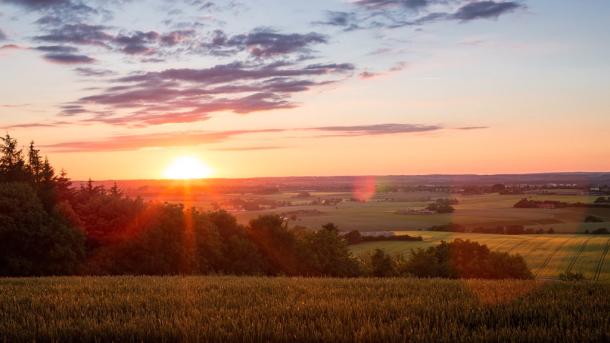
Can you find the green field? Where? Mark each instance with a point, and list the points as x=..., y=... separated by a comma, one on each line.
x=488, y=210
x=246, y=309
x=546, y=255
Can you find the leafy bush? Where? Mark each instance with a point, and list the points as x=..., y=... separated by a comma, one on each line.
x=466, y=259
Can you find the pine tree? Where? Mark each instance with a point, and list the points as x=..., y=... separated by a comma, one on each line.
x=12, y=164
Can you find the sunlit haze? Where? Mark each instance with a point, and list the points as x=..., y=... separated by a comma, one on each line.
x=187, y=167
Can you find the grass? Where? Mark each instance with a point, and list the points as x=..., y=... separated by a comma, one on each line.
x=247, y=309
x=546, y=255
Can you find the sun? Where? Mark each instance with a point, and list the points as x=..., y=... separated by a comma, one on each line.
x=186, y=168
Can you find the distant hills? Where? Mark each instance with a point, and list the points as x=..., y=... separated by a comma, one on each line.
x=338, y=183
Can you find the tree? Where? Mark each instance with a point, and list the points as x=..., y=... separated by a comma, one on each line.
x=32, y=241
x=278, y=245
x=382, y=265
x=498, y=188
x=353, y=237
x=328, y=253
x=239, y=255
x=35, y=163
x=12, y=164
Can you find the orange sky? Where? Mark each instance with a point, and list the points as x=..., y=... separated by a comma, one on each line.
x=301, y=90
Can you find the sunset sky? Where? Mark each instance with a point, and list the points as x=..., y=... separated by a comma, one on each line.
x=119, y=89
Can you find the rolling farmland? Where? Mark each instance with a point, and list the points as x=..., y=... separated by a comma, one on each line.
x=251, y=309
x=487, y=210
x=546, y=255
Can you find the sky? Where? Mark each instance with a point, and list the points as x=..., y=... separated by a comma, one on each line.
x=119, y=89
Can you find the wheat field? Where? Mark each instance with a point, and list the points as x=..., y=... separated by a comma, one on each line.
x=252, y=309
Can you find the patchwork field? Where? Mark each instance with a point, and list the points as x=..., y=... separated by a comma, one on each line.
x=488, y=210
x=546, y=255
x=245, y=309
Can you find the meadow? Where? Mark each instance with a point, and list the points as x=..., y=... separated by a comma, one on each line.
x=546, y=255
x=252, y=309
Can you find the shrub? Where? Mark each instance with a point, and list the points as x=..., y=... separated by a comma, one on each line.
x=382, y=264
x=466, y=259
x=593, y=219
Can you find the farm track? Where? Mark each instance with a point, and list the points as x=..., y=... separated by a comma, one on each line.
x=536, y=246
x=600, y=264
x=550, y=257
x=575, y=258
x=502, y=243
x=523, y=241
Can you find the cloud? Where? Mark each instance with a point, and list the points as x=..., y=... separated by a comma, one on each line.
x=68, y=59
x=192, y=138
x=232, y=72
x=263, y=43
x=340, y=18
x=371, y=14
x=377, y=129
x=58, y=11
x=161, y=140
x=80, y=34
x=2, y=35
x=394, y=69
x=468, y=128
x=410, y=4
x=39, y=4
x=90, y=72
x=10, y=47
x=190, y=95
x=34, y=125
x=130, y=43
x=137, y=42
x=146, y=43
x=485, y=9
x=57, y=49
x=249, y=148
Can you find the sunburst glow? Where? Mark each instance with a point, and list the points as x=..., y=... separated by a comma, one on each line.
x=186, y=168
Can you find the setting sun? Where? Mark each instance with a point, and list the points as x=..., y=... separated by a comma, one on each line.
x=187, y=167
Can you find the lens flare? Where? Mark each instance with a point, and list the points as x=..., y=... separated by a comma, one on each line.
x=186, y=168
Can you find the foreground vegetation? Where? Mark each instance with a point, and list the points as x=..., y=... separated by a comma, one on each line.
x=129, y=309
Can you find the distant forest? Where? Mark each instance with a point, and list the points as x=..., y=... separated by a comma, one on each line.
x=49, y=227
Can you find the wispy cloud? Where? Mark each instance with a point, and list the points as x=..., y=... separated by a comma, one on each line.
x=376, y=129
x=157, y=140
x=192, y=138
x=467, y=128
x=68, y=59
x=34, y=125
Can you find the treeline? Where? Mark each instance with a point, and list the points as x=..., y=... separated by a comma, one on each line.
x=355, y=237
x=48, y=227
x=497, y=230
x=529, y=203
